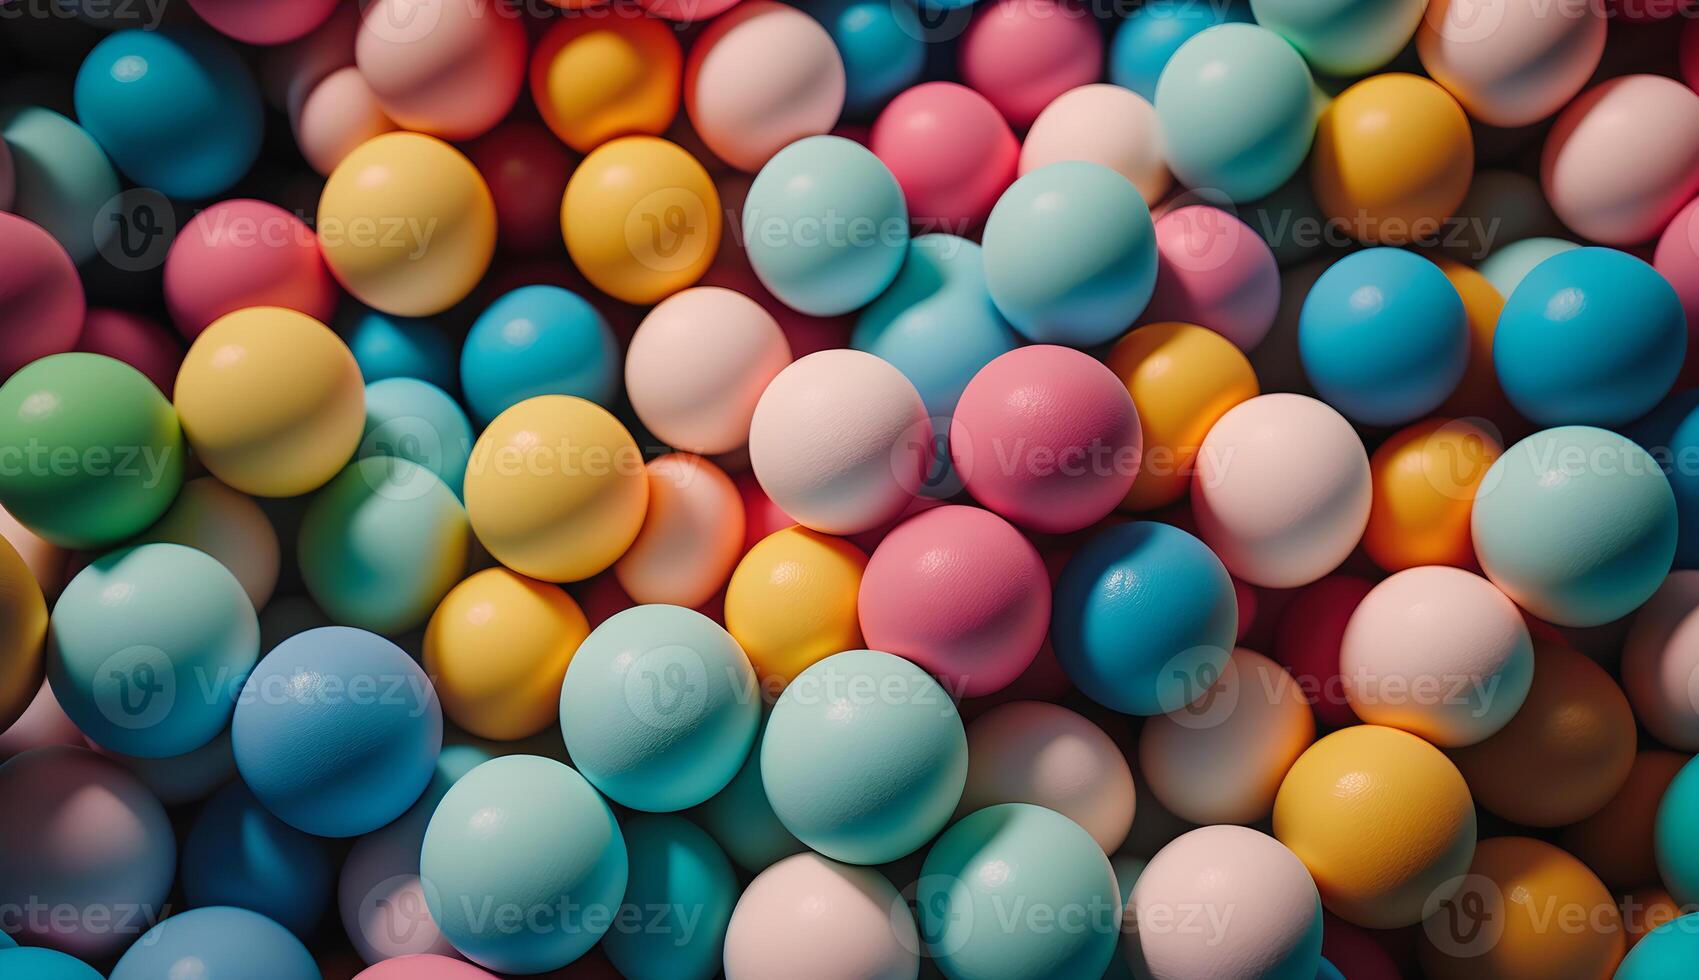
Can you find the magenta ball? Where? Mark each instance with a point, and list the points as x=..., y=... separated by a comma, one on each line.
x=243, y=253
x=1022, y=54
x=960, y=592
x=950, y=150
x=1214, y=271
x=135, y=340
x=424, y=966
x=1047, y=437
x=263, y=23
x=42, y=308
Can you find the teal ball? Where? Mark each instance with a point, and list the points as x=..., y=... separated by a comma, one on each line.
x=39, y=963
x=1670, y=950
x=1673, y=838
x=742, y=820
x=679, y=898
x=410, y=419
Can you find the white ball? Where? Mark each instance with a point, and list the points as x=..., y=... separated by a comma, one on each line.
x=1104, y=124
x=1660, y=662
x=811, y=915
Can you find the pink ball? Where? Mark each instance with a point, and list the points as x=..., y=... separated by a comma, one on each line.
x=42, y=723
x=135, y=340
x=1623, y=158
x=382, y=900
x=424, y=966
x=337, y=115
x=1214, y=271
x=950, y=150
x=41, y=296
x=1307, y=642
x=687, y=10
x=1677, y=258
x=1514, y=62
x=243, y=253
x=692, y=534
x=1047, y=437
x=526, y=169
x=289, y=71
x=450, y=68
x=263, y=23
x=1021, y=54
x=960, y=592
x=1690, y=54
x=1660, y=662
x=843, y=921
x=1104, y=124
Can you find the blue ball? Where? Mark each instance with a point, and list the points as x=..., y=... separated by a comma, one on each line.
x=39, y=963
x=337, y=731
x=1151, y=34
x=1383, y=336
x=238, y=854
x=175, y=109
x=1506, y=267
x=538, y=340
x=148, y=646
x=1671, y=435
x=526, y=837
x=659, y=707
x=1070, y=254
x=741, y=818
x=825, y=226
x=1592, y=336
x=1327, y=971
x=1576, y=524
x=1018, y=856
x=1144, y=618
x=881, y=44
x=1668, y=951
x=1236, y=106
x=388, y=346
x=1676, y=845
x=410, y=419
x=678, y=902
x=217, y=944
x=864, y=757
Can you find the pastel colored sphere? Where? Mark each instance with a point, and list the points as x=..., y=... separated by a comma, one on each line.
x=743, y=822
x=1043, y=468
x=24, y=613
x=238, y=854
x=676, y=10
x=1660, y=662
x=271, y=400
x=148, y=648
x=847, y=923
x=113, y=847
x=1152, y=33
x=641, y=219
x=47, y=316
x=243, y=253
x=791, y=602
x=387, y=346
x=1144, y=619
x=1425, y=479
x=175, y=109
x=1282, y=490
x=1670, y=433
x=1044, y=754
x=335, y=116
x=1018, y=855
x=58, y=178
x=1382, y=820
x=825, y=225
x=423, y=966
x=674, y=865
x=1104, y=124
x=407, y=224
x=361, y=706
x=840, y=440
x=864, y=757
x=950, y=151
x=1343, y=37
x=1507, y=266
x=557, y=489
x=537, y=340
x=692, y=534
x=136, y=340
x=216, y=942
x=1070, y=254
x=1664, y=950
x=1677, y=260
x=1022, y=55
x=1576, y=524
x=268, y=24
x=1678, y=859
x=1214, y=271
x=1556, y=366
x=960, y=592
x=598, y=78
x=882, y=45
x=211, y=517
x=102, y=411
x=1516, y=65
x=452, y=69
x=528, y=833
x=1235, y=105
x=416, y=421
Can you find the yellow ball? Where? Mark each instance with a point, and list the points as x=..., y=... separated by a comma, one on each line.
x=1425, y=477
x=641, y=219
x=791, y=602
x=407, y=224
x=23, y=628
x=1182, y=378
x=271, y=400
x=595, y=79
x=556, y=488
x=497, y=649
x=1382, y=819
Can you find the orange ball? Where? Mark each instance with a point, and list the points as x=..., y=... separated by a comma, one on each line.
x=1645, y=910
x=792, y=602
x=1424, y=478
x=692, y=534
x=1478, y=394
x=1616, y=842
x=598, y=78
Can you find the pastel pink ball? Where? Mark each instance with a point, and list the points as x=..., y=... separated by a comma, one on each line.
x=1690, y=54
x=684, y=10
x=1677, y=258
x=424, y=966
x=46, y=561
x=1512, y=62
x=692, y=534
x=263, y=23
x=382, y=901
x=1215, y=271
x=41, y=296
x=960, y=592
x=1104, y=124
x=137, y=341
x=450, y=68
x=1022, y=54
x=337, y=115
x=845, y=922
x=42, y=723
x=1624, y=158
x=1660, y=662
x=950, y=150
x=1047, y=437
x=242, y=253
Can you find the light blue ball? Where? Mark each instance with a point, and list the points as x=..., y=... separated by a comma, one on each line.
x=1506, y=267
x=1144, y=618
x=337, y=731
x=1676, y=844
x=538, y=340
x=864, y=757
x=881, y=45
x=175, y=109
x=388, y=346
x=678, y=902
x=1070, y=254
x=825, y=226
x=659, y=707
x=63, y=178
x=238, y=854
x=410, y=419
x=1344, y=38
x=1152, y=33
x=1236, y=108
x=528, y=837
x=148, y=646
x=1668, y=951
x=1003, y=859
x=217, y=944
x=1671, y=434
x=1383, y=336
x=741, y=818
x=40, y=963
x=1576, y=524
x=1591, y=336
x=382, y=543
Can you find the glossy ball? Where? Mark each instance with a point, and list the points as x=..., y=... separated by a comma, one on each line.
x=692, y=534
x=1425, y=479
x=216, y=942
x=676, y=866
x=387, y=346
x=335, y=116
x=24, y=614
x=269, y=24
x=452, y=69
x=1660, y=662
x=1022, y=55
x=243, y=253
x=1516, y=66
x=1044, y=754
x=211, y=517
x=882, y=44
x=1103, y=124
x=238, y=854
x=136, y=340
x=1662, y=951
x=1345, y=38
x=598, y=78
x=416, y=421
x=537, y=340
x=1152, y=33
x=791, y=602
x=950, y=150
x=848, y=923
x=58, y=176
x=1213, y=270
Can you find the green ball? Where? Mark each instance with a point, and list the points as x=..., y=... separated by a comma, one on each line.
x=90, y=451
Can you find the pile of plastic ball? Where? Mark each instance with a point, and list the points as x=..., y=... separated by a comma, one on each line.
x=849, y=489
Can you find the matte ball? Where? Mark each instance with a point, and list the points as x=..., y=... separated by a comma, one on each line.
x=1507, y=266
x=45, y=306
x=847, y=923
x=537, y=340
x=187, y=778
x=527, y=170
x=1664, y=951
x=598, y=78
x=270, y=24
x=387, y=346
x=1677, y=259
x=1343, y=37
x=743, y=822
x=1213, y=270
x=136, y=340
x=229, y=526
x=335, y=116
x=949, y=149
x=1660, y=662
x=243, y=253
x=1152, y=32
x=365, y=711
x=238, y=854
x=1619, y=840
x=1022, y=55
x=1425, y=477
x=864, y=757
x=415, y=421
x=1307, y=639
x=883, y=47
x=676, y=866
x=452, y=69
x=1101, y=124
x=35, y=963
x=423, y=966
x=1516, y=66
x=59, y=176
x=216, y=942
x=792, y=602
x=23, y=613
x=692, y=534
